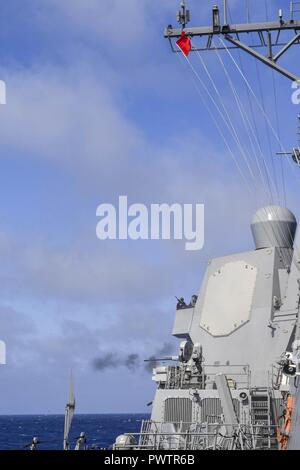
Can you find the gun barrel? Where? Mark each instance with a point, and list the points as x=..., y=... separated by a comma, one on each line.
x=157, y=359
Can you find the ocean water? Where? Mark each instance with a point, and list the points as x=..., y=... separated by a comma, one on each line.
x=101, y=430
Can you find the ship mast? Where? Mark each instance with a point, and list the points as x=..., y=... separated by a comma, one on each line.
x=267, y=42
x=280, y=34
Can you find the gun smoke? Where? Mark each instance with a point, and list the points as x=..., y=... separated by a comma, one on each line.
x=165, y=350
x=132, y=362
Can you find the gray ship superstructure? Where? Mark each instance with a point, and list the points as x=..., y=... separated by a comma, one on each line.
x=237, y=364
x=235, y=381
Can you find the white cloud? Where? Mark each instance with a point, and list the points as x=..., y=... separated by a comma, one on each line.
x=67, y=115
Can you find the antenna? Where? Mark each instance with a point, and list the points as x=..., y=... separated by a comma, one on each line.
x=248, y=11
x=216, y=19
x=225, y=12
x=270, y=35
x=294, y=8
x=183, y=15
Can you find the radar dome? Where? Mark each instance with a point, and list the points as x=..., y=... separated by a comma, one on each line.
x=274, y=226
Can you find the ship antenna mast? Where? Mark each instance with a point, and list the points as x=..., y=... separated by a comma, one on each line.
x=274, y=36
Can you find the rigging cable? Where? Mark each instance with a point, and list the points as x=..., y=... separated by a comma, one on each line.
x=259, y=105
x=230, y=125
x=263, y=103
x=248, y=126
x=280, y=250
x=255, y=132
x=261, y=108
x=278, y=132
x=255, y=97
x=276, y=112
x=240, y=170
x=277, y=192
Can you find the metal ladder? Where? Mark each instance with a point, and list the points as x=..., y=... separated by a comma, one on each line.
x=261, y=417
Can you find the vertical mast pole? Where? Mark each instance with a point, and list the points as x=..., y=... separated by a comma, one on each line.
x=225, y=12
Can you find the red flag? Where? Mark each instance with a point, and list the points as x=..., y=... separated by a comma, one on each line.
x=184, y=43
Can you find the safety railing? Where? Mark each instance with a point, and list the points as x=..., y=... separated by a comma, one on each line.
x=169, y=436
x=238, y=376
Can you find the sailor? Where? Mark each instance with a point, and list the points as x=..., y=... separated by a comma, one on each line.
x=81, y=442
x=181, y=303
x=34, y=444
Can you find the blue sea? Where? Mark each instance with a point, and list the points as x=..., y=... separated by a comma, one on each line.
x=16, y=432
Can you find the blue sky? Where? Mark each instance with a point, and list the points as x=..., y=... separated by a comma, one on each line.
x=97, y=107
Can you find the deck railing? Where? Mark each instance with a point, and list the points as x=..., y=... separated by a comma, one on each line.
x=169, y=436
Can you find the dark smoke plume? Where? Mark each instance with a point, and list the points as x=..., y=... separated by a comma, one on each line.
x=108, y=361
x=112, y=361
x=132, y=362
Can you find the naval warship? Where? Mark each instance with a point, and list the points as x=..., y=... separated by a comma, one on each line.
x=236, y=376
x=234, y=384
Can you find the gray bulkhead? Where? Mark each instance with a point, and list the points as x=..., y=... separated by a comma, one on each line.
x=236, y=319
x=241, y=323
